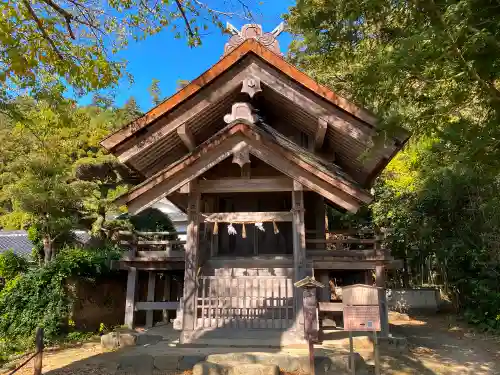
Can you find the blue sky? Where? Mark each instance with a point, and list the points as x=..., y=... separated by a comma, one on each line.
x=168, y=59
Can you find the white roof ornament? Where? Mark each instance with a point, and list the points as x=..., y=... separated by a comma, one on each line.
x=278, y=29
x=232, y=29
x=254, y=31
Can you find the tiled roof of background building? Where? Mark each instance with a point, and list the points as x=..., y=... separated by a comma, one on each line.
x=17, y=241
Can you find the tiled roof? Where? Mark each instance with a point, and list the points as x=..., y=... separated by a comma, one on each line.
x=18, y=242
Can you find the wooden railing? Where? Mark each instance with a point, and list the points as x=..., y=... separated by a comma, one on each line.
x=340, y=243
x=37, y=355
x=153, y=244
x=350, y=242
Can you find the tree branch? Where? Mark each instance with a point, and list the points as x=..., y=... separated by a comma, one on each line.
x=181, y=9
x=68, y=17
x=40, y=27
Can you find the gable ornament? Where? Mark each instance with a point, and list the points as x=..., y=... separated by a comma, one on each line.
x=241, y=111
x=241, y=154
x=251, y=86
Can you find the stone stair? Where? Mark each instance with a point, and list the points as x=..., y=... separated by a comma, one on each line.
x=242, y=363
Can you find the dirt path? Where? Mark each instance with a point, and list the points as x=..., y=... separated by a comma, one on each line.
x=441, y=345
x=438, y=345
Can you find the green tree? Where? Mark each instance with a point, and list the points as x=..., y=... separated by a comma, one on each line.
x=50, y=202
x=56, y=177
x=47, y=45
x=155, y=91
x=431, y=66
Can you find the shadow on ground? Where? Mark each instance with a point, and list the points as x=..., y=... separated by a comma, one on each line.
x=436, y=345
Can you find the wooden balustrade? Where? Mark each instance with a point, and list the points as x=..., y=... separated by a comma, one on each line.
x=153, y=245
x=342, y=243
x=361, y=241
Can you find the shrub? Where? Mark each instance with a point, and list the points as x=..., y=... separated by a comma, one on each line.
x=11, y=265
x=38, y=297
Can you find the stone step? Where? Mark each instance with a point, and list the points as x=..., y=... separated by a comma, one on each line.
x=243, y=363
x=209, y=368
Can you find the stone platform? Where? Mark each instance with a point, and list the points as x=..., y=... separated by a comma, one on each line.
x=233, y=363
x=157, y=350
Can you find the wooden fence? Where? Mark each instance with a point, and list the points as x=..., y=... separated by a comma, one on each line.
x=245, y=302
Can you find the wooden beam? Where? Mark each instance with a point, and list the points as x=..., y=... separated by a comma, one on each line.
x=336, y=189
x=150, y=297
x=191, y=109
x=243, y=185
x=130, y=298
x=186, y=136
x=314, y=183
x=335, y=118
x=190, y=295
x=163, y=183
x=151, y=306
x=319, y=137
x=144, y=256
x=148, y=264
x=245, y=217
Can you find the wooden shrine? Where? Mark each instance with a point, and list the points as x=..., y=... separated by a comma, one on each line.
x=251, y=150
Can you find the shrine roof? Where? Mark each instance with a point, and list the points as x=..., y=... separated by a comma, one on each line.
x=298, y=163
x=286, y=97
x=249, y=46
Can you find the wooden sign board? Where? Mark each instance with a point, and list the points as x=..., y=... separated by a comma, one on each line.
x=360, y=294
x=311, y=325
x=361, y=318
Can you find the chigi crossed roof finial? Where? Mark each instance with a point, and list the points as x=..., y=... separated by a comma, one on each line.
x=252, y=30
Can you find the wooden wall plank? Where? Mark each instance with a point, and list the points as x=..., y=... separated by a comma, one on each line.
x=167, y=285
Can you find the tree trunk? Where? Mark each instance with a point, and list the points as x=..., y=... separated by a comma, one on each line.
x=406, y=274
x=48, y=249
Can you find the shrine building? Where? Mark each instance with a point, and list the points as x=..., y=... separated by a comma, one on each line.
x=253, y=151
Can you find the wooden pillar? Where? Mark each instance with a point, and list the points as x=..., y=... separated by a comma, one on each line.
x=299, y=249
x=384, y=311
x=166, y=295
x=380, y=275
x=150, y=297
x=319, y=212
x=130, y=298
x=191, y=259
x=324, y=293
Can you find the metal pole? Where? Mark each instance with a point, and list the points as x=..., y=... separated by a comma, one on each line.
x=311, y=357
x=376, y=353
x=351, y=353
x=37, y=365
